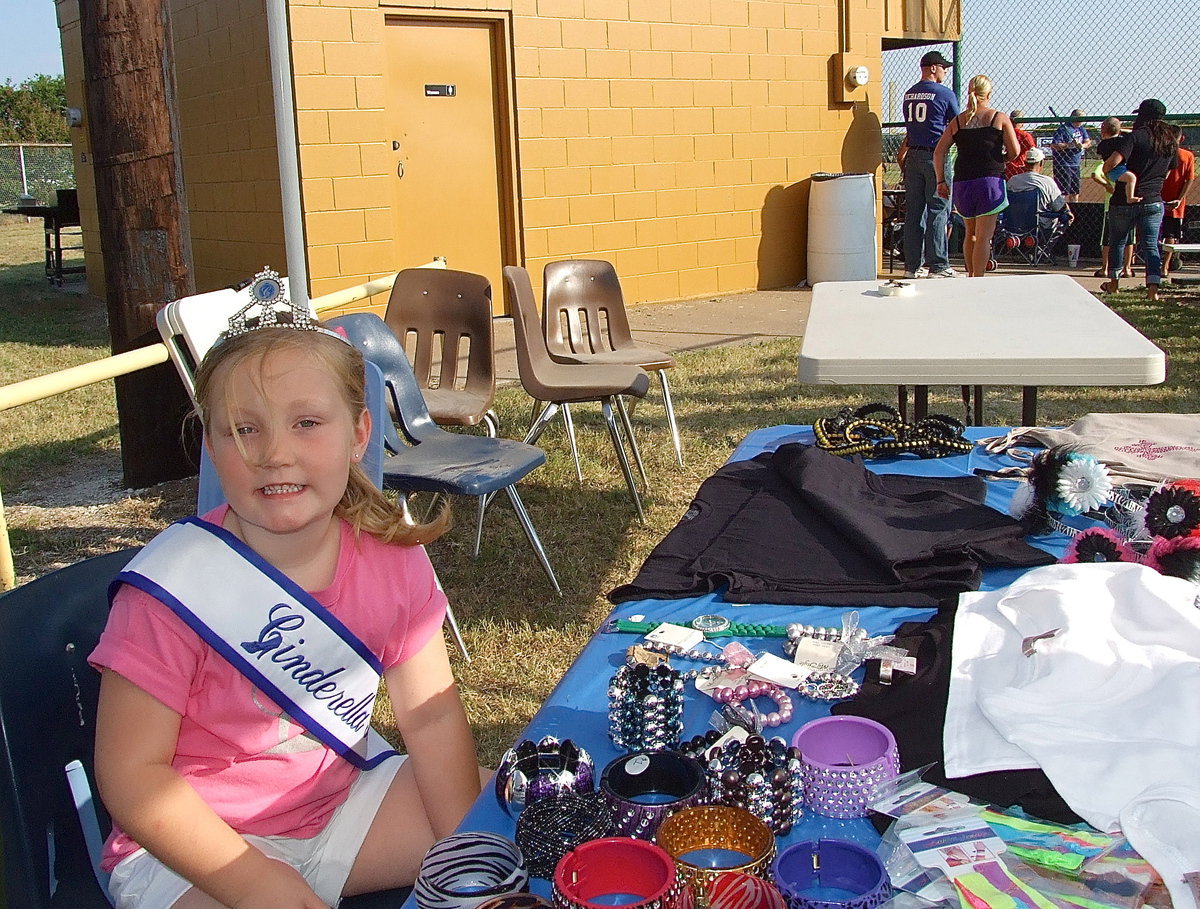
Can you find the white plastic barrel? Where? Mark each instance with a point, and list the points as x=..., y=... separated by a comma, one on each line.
x=842, y=241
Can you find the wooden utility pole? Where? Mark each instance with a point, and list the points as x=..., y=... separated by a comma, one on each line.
x=131, y=120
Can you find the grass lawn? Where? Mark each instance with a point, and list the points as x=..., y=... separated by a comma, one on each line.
x=522, y=636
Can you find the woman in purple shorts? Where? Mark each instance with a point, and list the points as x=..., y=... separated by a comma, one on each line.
x=986, y=142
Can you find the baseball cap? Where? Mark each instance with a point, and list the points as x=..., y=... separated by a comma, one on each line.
x=935, y=58
x=1151, y=109
x=1034, y=156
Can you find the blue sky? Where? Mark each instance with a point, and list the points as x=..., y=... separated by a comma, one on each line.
x=1104, y=56
x=29, y=40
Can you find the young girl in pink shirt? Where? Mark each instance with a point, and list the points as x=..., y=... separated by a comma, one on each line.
x=219, y=796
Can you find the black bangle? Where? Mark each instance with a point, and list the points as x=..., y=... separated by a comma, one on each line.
x=549, y=829
x=627, y=780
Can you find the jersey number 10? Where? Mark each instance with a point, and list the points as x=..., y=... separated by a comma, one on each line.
x=915, y=112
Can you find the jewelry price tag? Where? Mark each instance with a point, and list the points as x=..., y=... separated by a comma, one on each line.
x=726, y=678
x=771, y=668
x=817, y=655
x=676, y=636
x=639, y=654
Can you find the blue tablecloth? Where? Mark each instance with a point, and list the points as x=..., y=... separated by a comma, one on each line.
x=577, y=708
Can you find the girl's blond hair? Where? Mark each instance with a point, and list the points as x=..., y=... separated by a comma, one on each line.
x=362, y=505
x=978, y=89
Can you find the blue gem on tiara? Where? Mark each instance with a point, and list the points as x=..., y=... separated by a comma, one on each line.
x=269, y=307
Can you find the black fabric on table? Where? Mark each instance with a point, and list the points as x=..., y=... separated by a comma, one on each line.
x=802, y=526
x=914, y=709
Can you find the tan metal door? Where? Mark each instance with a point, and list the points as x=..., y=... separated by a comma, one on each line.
x=444, y=112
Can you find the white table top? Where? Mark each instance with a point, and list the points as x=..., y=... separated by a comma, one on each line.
x=998, y=330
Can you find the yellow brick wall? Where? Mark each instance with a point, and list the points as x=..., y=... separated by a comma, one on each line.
x=338, y=61
x=85, y=178
x=673, y=137
x=227, y=139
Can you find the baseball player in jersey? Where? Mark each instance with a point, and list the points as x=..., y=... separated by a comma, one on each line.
x=928, y=107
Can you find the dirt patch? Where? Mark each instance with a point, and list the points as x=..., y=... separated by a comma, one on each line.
x=84, y=510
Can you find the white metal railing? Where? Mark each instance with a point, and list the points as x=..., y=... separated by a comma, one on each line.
x=55, y=383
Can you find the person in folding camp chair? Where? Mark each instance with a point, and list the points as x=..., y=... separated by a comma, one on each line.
x=245, y=647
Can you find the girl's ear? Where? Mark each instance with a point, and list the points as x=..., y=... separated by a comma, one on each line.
x=362, y=432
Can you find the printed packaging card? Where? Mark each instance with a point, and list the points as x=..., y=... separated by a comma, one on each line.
x=955, y=847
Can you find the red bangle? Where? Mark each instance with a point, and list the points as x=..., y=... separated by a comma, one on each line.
x=616, y=864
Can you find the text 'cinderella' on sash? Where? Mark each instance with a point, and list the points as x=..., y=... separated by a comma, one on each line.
x=314, y=679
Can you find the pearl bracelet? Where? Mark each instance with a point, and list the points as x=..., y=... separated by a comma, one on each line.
x=754, y=688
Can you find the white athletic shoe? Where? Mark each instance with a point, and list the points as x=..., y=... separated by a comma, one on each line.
x=921, y=272
x=946, y=272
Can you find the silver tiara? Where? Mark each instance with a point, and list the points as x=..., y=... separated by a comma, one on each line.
x=269, y=307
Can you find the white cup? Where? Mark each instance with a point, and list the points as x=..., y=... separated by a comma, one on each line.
x=1073, y=254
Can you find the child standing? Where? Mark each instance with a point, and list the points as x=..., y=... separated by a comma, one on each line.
x=305, y=589
x=1110, y=135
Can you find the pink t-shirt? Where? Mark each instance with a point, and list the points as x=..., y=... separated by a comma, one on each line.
x=258, y=770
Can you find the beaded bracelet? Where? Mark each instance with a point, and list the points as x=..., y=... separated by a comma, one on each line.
x=760, y=775
x=716, y=827
x=859, y=432
x=616, y=865
x=548, y=829
x=754, y=688
x=645, y=707
x=466, y=869
x=843, y=760
x=531, y=771
x=806, y=873
x=627, y=781
x=828, y=686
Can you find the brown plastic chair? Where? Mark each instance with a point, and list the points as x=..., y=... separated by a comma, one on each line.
x=571, y=383
x=443, y=319
x=584, y=320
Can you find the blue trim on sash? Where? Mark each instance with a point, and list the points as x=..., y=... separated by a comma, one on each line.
x=240, y=662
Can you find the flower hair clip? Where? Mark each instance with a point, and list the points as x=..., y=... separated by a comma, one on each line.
x=1177, y=557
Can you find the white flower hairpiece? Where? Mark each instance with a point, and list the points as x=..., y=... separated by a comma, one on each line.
x=1083, y=484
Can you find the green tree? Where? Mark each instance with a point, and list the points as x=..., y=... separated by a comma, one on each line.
x=33, y=110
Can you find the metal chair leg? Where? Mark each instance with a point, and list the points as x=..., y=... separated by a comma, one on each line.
x=570, y=424
x=483, y=503
x=670, y=408
x=456, y=634
x=637, y=455
x=538, y=425
x=534, y=540
x=611, y=420
x=491, y=424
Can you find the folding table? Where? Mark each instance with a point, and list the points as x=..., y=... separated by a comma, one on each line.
x=1026, y=330
x=577, y=708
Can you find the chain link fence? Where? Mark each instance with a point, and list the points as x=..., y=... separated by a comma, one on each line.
x=1099, y=56
x=34, y=169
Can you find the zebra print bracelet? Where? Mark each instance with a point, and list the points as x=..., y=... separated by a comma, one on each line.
x=466, y=869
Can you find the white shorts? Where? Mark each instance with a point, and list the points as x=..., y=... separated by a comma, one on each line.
x=140, y=881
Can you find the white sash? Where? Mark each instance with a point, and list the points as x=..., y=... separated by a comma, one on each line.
x=268, y=628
